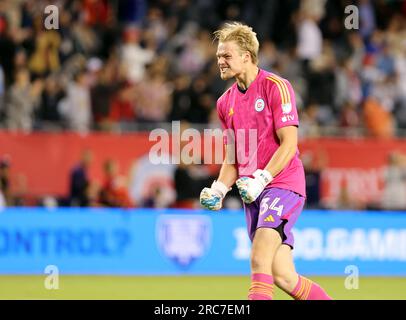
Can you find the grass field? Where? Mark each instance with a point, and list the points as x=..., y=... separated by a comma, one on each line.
x=182, y=287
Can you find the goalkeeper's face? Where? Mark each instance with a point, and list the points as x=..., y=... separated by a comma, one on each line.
x=231, y=61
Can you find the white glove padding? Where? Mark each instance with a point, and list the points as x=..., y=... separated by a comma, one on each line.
x=212, y=198
x=250, y=188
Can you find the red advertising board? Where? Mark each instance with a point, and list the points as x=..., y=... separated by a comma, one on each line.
x=352, y=168
x=45, y=159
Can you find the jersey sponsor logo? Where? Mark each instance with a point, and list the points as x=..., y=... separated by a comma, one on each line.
x=288, y=117
x=183, y=238
x=287, y=107
x=259, y=105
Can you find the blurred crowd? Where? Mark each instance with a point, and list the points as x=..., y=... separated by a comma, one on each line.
x=131, y=64
x=83, y=192
x=134, y=64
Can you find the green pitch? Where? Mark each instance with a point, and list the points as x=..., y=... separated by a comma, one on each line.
x=182, y=287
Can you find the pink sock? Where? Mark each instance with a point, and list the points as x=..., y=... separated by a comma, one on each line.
x=308, y=290
x=261, y=287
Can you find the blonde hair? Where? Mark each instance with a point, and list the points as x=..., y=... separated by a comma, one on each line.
x=243, y=35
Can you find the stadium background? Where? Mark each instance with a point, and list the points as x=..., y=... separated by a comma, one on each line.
x=79, y=192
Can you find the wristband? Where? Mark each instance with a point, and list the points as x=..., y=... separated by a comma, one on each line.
x=264, y=176
x=220, y=187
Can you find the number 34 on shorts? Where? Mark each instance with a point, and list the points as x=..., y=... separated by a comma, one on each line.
x=270, y=208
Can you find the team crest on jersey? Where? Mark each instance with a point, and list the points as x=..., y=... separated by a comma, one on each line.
x=287, y=107
x=259, y=105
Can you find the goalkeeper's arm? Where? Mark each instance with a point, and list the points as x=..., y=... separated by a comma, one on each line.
x=212, y=198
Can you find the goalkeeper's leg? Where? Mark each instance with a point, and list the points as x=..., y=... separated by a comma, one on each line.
x=287, y=279
x=265, y=243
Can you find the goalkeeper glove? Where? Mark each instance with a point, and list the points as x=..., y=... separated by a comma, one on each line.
x=250, y=188
x=212, y=198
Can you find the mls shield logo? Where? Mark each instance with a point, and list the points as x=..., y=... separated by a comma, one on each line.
x=183, y=238
x=287, y=107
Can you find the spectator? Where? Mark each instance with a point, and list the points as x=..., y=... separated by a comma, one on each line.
x=96, y=12
x=348, y=86
x=310, y=39
x=2, y=201
x=134, y=58
x=5, y=192
x=101, y=98
x=21, y=101
x=367, y=18
x=310, y=123
x=154, y=94
x=67, y=47
x=321, y=84
x=84, y=36
x=181, y=101
x=267, y=55
x=76, y=106
x=80, y=182
x=45, y=57
x=48, y=111
x=2, y=93
x=122, y=109
x=114, y=190
x=201, y=101
x=156, y=32
x=314, y=165
x=196, y=52
x=394, y=195
x=8, y=49
x=350, y=117
x=378, y=121
x=131, y=11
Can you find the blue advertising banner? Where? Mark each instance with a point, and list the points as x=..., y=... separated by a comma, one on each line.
x=173, y=242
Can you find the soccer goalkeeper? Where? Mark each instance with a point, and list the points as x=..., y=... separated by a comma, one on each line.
x=272, y=182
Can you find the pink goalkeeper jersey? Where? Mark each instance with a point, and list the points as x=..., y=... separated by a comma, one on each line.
x=252, y=119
